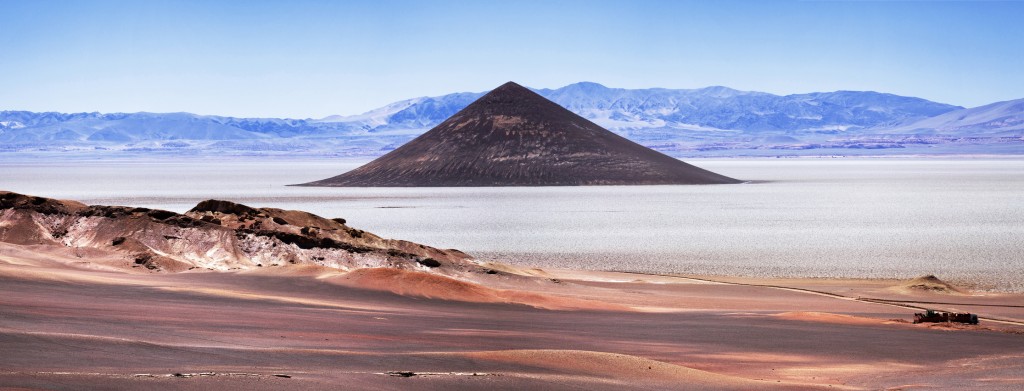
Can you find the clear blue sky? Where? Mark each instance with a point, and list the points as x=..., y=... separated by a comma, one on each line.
x=310, y=59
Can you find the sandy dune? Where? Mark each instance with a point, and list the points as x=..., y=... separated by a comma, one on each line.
x=433, y=286
x=627, y=371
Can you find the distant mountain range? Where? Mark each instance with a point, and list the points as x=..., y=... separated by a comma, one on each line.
x=712, y=121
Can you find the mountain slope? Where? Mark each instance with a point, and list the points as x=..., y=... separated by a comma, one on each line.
x=1000, y=118
x=514, y=137
x=715, y=121
x=615, y=108
x=725, y=108
x=414, y=113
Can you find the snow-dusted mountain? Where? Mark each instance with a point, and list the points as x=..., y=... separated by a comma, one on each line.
x=728, y=109
x=417, y=113
x=122, y=127
x=711, y=108
x=684, y=122
x=996, y=119
x=179, y=132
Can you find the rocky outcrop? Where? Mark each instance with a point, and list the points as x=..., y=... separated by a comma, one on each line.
x=216, y=234
x=928, y=283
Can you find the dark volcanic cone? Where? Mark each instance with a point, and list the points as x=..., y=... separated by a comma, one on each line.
x=514, y=137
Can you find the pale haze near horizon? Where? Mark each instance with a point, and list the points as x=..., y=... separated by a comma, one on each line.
x=312, y=59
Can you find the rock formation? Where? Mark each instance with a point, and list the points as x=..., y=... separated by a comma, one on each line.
x=217, y=235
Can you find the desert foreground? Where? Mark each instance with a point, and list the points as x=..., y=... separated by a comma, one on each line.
x=227, y=296
x=70, y=324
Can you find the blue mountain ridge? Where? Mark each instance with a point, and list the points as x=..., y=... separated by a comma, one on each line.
x=712, y=121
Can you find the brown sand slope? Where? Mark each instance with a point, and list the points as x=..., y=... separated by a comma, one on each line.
x=72, y=328
x=628, y=371
x=514, y=137
x=420, y=284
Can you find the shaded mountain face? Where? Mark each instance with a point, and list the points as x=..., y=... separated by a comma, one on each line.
x=514, y=137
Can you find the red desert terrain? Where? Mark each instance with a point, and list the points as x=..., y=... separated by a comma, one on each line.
x=232, y=297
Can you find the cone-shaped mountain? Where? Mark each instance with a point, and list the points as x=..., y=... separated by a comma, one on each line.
x=513, y=137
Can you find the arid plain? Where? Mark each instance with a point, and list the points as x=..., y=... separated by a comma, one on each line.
x=107, y=313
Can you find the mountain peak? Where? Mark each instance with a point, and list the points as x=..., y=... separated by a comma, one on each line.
x=514, y=137
x=509, y=93
x=586, y=87
x=719, y=91
x=587, y=84
x=509, y=86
